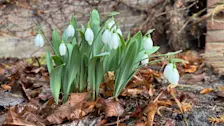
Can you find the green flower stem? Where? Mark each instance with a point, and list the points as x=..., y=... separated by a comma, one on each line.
x=167, y=54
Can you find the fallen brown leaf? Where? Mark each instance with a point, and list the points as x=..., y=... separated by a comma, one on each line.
x=61, y=114
x=186, y=107
x=6, y=87
x=77, y=98
x=24, y=115
x=191, y=69
x=152, y=109
x=164, y=102
x=113, y=108
x=132, y=92
x=206, y=90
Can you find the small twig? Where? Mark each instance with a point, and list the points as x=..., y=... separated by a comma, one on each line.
x=115, y=123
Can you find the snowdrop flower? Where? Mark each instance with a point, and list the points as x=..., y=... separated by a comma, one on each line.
x=145, y=59
x=114, y=41
x=119, y=31
x=171, y=73
x=148, y=43
x=106, y=36
x=89, y=36
x=39, y=41
x=174, y=77
x=62, y=49
x=70, y=31
x=168, y=70
x=111, y=24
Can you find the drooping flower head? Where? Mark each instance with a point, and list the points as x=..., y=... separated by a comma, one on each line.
x=115, y=41
x=106, y=37
x=111, y=25
x=145, y=59
x=39, y=41
x=70, y=31
x=148, y=43
x=62, y=49
x=171, y=73
x=89, y=36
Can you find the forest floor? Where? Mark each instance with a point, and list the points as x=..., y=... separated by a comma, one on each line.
x=25, y=97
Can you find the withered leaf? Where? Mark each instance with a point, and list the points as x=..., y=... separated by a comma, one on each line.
x=6, y=87
x=113, y=108
x=151, y=111
x=206, y=90
x=61, y=114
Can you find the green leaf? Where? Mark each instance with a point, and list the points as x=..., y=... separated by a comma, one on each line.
x=149, y=32
x=172, y=53
x=101, y=54
x=75, y=25
x=113, y=13
x=72, y=70
x=49, y=61
x=152, y=50
x=99, y=76
x=57, y=60
x=55, y=82
x=56, y=40
x=177, y=60
x=95, y=26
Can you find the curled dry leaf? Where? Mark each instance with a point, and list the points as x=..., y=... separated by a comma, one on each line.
x=73, y=109
x=191, y=69
x=77, y=98
x=165, y=103
x=6, y=87
x=61, y=114
x=206, y=90
x=151, y=110
x=113, y=108
x=24, y=115
x=132, y=92
x=215, y=120
x=186, y=107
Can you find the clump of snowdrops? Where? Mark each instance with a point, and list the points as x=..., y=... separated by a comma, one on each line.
x=82, y=55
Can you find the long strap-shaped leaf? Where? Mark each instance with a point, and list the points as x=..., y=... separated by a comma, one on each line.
x=55, y=82
x=95, y=73
x=73, y=68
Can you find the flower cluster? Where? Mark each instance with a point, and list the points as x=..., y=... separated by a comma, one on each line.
x=111, y=34
x=148, y=44
x=82, y=55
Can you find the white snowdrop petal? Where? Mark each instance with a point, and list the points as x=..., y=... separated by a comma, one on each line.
x=110, y=24
x=174, y=77
x=70, y=31
x=39, y=41
x=89, y=36
x=148, y=43
x=145, y=59
x=106, y=36
x=115, y=40
x=62, y=49
x=168, y=70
